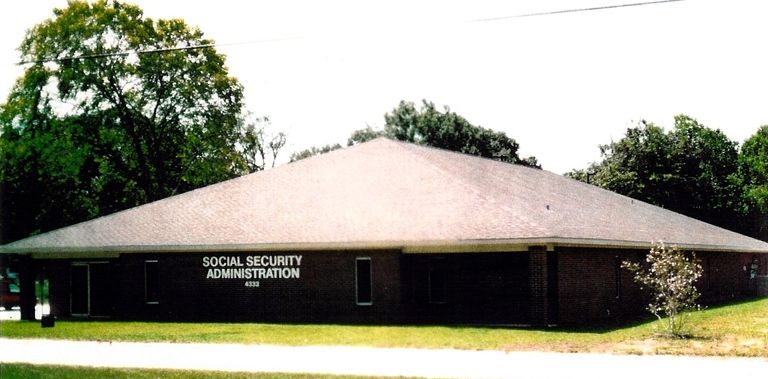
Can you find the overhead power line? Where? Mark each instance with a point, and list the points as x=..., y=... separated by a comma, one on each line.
x=148, y=51
x=194, y=47
x=116, y=54
x=575, y=10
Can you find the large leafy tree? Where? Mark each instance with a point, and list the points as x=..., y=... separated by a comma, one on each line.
x=753, y=167
x=691, y=169
x=426, y=125
x=753, y=172
x=705, y=162
x=114, y=110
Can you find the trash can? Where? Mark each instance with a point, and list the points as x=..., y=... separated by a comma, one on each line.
x=47, y=321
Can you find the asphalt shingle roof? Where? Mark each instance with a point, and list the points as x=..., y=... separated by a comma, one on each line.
x=388, y=194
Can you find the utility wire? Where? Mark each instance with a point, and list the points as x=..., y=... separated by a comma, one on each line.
x=575, y=10
x=116, y=54
x=148, y=51
x=194, y=47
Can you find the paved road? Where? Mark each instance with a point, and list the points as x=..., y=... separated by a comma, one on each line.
x=374, y=361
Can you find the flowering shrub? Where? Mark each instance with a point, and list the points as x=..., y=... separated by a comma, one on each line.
x=670, y=275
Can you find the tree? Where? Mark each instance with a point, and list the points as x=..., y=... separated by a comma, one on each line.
x=670, y=276
x=116, y=110
x=636, y=166
x=753, y=173
x=258, y=147
x=364, y=135
x=314, y=151
x=705, y=162
x=691, y=169
x=446, y=130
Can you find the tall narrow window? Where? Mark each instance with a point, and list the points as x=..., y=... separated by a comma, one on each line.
x=617, y=276
x=79, y=289
x=363, y=282
x=438, y=283
x=151, y=282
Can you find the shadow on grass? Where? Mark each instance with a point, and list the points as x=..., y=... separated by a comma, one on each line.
x=640, y=320
x=601, y=327
x=597, y=327
x=721, y=304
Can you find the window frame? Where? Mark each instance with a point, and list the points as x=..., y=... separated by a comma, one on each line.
x=357, y=281
x=617, y=278
x=87, y=294
x=437, y=266
x=147, y=299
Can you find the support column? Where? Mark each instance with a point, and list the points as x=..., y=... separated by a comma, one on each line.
x=27, y=286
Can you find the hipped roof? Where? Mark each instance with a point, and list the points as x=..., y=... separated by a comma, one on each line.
x=388, y=194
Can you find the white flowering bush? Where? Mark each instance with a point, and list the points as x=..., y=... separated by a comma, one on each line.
x=670, y=275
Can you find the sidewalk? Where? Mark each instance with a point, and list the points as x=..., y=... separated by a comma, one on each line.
x=372, y=361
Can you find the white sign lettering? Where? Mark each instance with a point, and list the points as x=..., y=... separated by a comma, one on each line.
x=252, y=267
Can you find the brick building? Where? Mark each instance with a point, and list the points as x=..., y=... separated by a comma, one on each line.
x=383, y=232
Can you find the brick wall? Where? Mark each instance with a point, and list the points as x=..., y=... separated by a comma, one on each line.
x=761, y=286
x=324, y=292
x=588, y=291
x=482, y=288
x=727, y=276
x=588, y=288
x=538, y=281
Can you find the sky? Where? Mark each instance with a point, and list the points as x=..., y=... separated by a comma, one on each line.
x=559, y=84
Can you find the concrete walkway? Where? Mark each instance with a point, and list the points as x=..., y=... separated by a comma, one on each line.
x=373, y=361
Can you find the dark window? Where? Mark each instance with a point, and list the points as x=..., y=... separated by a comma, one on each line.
x=438, y=283
x=363, y=281
x=151, y=285
x=78, y=289
x=101, y=296
x=617, y=276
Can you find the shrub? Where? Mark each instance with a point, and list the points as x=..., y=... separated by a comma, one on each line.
x=670, y=275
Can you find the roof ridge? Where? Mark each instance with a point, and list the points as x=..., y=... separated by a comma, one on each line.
x=473, y=187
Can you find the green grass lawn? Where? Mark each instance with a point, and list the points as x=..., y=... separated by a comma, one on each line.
x=739, y=329
x=28, y=371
